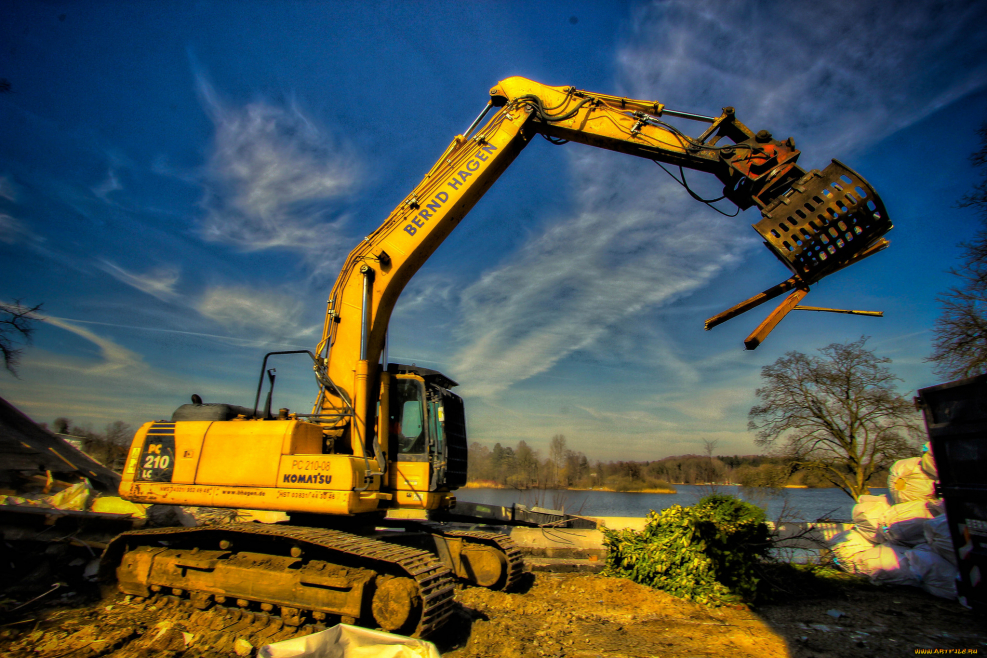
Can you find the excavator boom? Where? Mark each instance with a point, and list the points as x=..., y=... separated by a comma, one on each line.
x=815, y=222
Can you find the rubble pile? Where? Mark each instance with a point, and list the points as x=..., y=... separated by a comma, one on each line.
x=904, y=540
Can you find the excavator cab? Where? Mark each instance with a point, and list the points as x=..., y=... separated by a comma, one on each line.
x=427, y=443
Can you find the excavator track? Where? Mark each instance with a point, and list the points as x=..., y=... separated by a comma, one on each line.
x=515, y=562
x=379, y=579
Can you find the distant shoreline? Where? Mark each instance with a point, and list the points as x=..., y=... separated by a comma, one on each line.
x=492, y=485
x=648, y=491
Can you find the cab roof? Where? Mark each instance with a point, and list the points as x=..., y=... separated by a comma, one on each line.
x=430, y=376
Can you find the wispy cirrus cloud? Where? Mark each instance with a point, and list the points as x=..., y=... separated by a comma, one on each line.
x=7, y=190
x=115, y=360
x=262, y=314
x=12, y=230
x=159, y=282
x=110, y=184
x=272, y=178
x=635, y=245
x=569, y=287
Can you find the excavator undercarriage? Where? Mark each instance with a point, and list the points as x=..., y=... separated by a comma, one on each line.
x=313, y=575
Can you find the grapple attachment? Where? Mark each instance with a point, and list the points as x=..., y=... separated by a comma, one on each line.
x=828, y=220
x=823, y=222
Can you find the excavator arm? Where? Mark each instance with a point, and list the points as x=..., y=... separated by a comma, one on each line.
x=815, y=222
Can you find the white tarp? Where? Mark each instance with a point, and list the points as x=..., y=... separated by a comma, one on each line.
x=907, y=481
x=345, y=641
x=934, y=574
x=938, y=538
x=905, y=523
x=868, y=516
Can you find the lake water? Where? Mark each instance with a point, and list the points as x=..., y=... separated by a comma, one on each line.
x=792, y=504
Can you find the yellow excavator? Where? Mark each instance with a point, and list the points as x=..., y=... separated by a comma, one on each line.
x=383, y=436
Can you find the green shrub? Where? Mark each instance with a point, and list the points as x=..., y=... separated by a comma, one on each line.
x=706, y=553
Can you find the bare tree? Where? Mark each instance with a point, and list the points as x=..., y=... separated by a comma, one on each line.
x=838, y=413
x=119, y=433
x=527, y=465
x=959, y=347
x=709, y=446
x=15, y=326
x=557, y=454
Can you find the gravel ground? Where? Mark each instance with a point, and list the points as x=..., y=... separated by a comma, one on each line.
x=567, y=615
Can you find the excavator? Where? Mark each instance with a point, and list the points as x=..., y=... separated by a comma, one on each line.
x=384, y=437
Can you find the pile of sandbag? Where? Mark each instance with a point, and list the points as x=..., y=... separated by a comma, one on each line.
x=904, y=540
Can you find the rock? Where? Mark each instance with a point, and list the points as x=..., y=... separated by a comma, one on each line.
x=92, y=569
x=242, y=647
x=169, y=639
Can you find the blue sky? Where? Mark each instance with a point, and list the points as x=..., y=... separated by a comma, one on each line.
x=179, y=183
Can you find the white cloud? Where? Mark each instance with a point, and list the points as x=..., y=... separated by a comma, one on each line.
x=265, y=314
x=114, y=384
x=159, y=282
x=115, y=361
x=11, y=229
x=271, y=178
x=427, y=293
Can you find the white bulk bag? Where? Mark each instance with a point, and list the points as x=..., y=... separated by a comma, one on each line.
x=905, y=523
x=868, y=516
x=934, y=574
x=907, y=481
x=345, y=641
x=885, y=564
x=938, y=538
x=846, y=546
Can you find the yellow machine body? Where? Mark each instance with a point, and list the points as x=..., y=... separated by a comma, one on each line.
x=269, y=465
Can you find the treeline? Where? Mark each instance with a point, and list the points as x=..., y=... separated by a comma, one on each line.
x=108, y=447
x=523, y=467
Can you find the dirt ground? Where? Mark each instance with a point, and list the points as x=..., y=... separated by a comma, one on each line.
x=568, y=615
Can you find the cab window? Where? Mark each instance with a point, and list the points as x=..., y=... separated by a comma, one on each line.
x=407, y=422
x=435, y=419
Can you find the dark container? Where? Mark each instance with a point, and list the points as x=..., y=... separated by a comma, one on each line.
x=956, y=420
